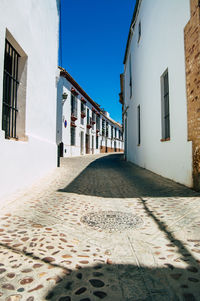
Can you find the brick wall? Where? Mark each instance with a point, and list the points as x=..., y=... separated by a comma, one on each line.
x=192, y=58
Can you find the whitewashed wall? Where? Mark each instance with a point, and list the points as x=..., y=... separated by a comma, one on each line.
x=64, y=113
x=161, y=46
x=34, y=26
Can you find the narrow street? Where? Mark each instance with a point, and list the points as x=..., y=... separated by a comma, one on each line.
x=99, y=228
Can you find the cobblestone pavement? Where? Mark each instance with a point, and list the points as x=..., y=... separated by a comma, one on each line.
x=99, y=228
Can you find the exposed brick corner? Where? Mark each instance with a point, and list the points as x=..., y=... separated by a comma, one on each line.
x=192, y=59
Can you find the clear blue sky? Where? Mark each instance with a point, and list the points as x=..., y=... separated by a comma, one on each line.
x=94, y=36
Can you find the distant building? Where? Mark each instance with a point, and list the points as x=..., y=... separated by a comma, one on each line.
x=161, y=96
x=82, y=126
x=28, y=68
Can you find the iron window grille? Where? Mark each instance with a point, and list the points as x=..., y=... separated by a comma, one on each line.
x=139, y=126
x=73, y=105
x=73, y=136
x=10, y=88
x=106, y=129
x=88, y=116
x=111, y=132
x=103, y=127
x=139, y=31
x=83, y=108
x=165, y=107
x=130, y=76
x=98, y=123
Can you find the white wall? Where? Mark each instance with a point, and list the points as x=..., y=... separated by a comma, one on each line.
x=161, y=46
x=64, y=113
x=34, y=26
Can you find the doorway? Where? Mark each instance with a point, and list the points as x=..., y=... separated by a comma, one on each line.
x=82, y=138
x=87, y=143
x=92, y=144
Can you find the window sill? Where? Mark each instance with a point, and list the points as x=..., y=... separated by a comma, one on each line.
x=164, y=140
x=22, y=139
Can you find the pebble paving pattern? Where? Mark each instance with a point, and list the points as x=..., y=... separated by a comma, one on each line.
x=112, y=220
x=99, y=228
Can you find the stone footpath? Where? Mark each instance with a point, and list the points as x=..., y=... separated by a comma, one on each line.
x=99, y=228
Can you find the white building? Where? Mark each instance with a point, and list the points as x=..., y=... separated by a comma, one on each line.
x=82, y=127
x=159, y=129
x=28, y=68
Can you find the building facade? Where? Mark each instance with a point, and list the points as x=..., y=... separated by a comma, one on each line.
x=82, y=126
x=28, y=69
x=161, y=89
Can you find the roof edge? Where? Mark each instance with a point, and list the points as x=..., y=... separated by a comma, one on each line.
x=137, y=4
x=65, y=74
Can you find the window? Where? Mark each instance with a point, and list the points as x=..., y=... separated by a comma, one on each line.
x=111, y=132
x=165, y=106
x=115, y=133
x=93, y=120
x=14, y=89
x=73, y=105
x=139, y=125
x=130, y=76
x=83, y=109
x=88, y=116
x=107, y=129
x=139, y=31
x=103, y=127
x=98, y=123
x=73, y=135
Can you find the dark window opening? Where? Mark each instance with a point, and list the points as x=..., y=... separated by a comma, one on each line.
x=139, y=126
x=73, y=136
x=10, y=88
x=165, y=107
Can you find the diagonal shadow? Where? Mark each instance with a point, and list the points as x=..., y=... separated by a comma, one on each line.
x=183, y=251
x=112, y=177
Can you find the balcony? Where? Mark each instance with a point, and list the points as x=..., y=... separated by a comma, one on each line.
x=73, y=124
x=73, y=117
x=89, y=126
x=83, y=114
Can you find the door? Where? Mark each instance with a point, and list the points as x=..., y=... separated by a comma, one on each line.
x=82, y=138
x=87, y=143
x=93, y=144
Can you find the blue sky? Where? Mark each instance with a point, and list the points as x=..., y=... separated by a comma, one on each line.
x=94, y=35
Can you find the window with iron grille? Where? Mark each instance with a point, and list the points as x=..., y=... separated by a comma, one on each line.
x=98, y=122
x=106, y=129
x=10, y=91
x=73, y=105
x=139, y=31
x=83, y=107
x=111, y=132
x=73, y=135
x=103, y=127
x=93, y=119
x=88, y=116
x=139, y=125
x=130, y=76
x=115, y=133
x=165, y=106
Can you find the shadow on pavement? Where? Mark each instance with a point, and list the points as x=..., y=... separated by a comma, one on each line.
x=112, y=177
x=126, y=282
